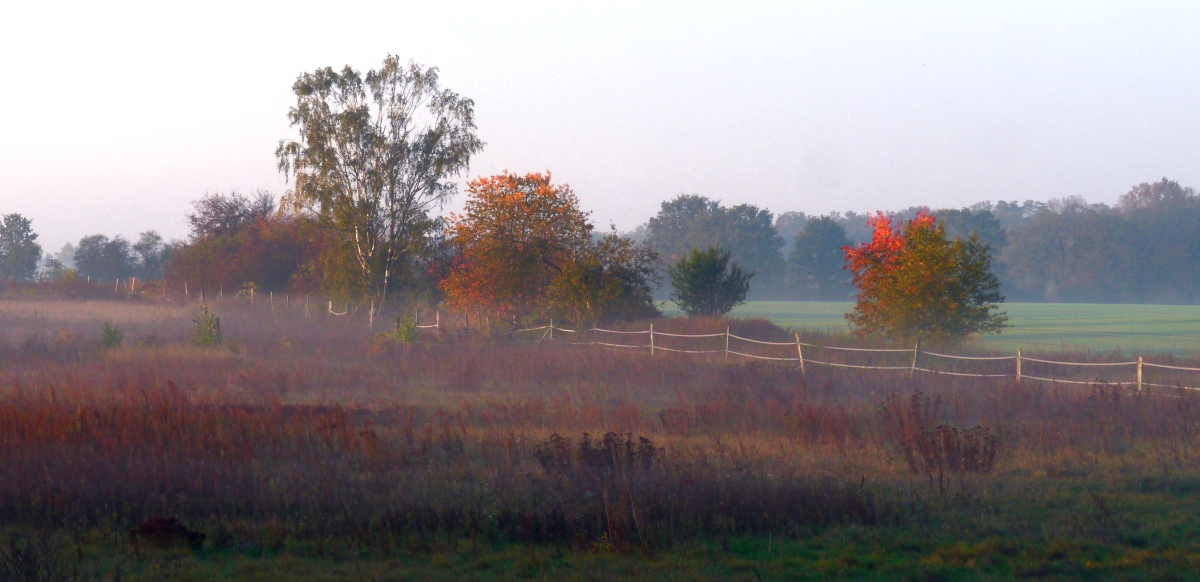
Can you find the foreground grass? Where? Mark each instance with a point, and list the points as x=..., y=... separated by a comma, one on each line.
x=305, y=448
x=842, y=552
x=1080, y=526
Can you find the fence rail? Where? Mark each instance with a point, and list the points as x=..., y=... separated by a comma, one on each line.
x=915, y=353
x=730, y=348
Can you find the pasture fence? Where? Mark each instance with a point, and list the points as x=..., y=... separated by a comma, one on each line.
x=727, y=344
x=912, y=360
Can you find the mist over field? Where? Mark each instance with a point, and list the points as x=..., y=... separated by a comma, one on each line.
x=534, y=291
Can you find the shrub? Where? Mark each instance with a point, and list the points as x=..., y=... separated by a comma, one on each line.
x=207, y=330
x=406, y=330
x=933, y=448
x=42, y=557
x=111, y=336
x=706, y=284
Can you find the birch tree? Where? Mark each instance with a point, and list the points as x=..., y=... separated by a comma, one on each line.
x=376, y=155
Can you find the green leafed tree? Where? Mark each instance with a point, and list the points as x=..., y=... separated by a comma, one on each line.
x=19, y=250
x=818, y=261
x=151, y=254
x=610, y=279
x=962, y=223
x=103, y=259
x=377, y=153
x=706, y=284
x=746, y=231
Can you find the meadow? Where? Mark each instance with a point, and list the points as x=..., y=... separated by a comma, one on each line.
x=317, y=448
x=1066, y=327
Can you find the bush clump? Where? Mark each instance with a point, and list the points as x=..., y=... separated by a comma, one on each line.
x=207, y=330
x=111, y=336
x=406, y=330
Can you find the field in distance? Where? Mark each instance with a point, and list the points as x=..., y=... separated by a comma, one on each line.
x=1134, y=329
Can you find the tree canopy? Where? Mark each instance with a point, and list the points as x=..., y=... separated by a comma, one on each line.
x=377, y=153
x=271, y=252
x=915, y=283
x=104, y=259
x=220, y=214
x=1144, y=249
x=789, y=224
x=19, y=250
x=746, y=231
x=818, y=262
x=151, y=253
x=524, y=249
x=706, y=284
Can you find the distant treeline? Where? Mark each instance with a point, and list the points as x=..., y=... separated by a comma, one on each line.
x=1146, y=248
x=236, y=242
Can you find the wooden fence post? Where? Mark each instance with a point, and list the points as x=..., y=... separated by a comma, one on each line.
x=1018, y=365
x=916, y=349
x=1139, y=373
x=727, y=342
x=651, y=339
x=800, y=352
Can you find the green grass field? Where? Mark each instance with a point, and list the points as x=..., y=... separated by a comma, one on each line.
x=1133, y=329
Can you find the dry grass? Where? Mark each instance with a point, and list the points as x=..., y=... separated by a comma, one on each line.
x=304, y=431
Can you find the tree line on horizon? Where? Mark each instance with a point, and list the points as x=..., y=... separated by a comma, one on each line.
x=1066, y=250
x=375, y=160
x=1144, y=249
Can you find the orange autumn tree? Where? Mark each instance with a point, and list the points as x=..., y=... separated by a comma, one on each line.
x=525, y=251
x=914, y=283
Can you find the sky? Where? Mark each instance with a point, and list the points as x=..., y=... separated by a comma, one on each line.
x=117, y=116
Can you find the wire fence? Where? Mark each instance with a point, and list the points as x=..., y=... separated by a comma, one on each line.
x=729, y=345
x=912, y=360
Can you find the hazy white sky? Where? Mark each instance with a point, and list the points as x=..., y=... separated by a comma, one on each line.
x=115, y=117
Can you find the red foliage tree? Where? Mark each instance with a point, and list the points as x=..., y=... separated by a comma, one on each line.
x=511, y=241
x=914, y=283
x=524, y=250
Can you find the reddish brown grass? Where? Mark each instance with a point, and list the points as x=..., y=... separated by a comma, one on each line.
x=298, y=429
